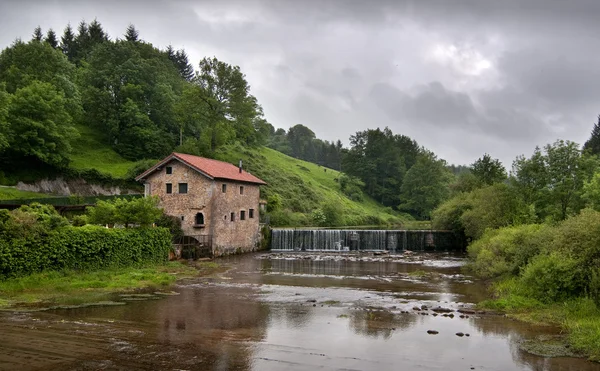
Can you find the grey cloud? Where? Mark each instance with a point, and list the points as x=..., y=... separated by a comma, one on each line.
x=339, y=66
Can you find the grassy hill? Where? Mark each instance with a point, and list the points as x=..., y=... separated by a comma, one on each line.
x=302, y=187
x=90, y=152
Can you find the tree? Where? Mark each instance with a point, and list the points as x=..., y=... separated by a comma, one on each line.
x=51, y=39
x=40, y=124
x=300, y=139
x=131, y=34
x=129, y=92
x=593, y=144
x=553, y=181
x=67, y=43
x=488, y=170
x=22, y=63
x=424, y=186
x=186, y=70
x=142, y=211
x=38, y=35
x=591, y=192
x=380, y=159
x=226, y=98
x=4, y=102
x=96, y=33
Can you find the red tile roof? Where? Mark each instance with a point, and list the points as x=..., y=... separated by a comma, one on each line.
x=212, y=168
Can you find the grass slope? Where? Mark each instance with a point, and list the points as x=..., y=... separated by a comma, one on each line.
x=304, y=187
x=90, y=152
x=10, y=193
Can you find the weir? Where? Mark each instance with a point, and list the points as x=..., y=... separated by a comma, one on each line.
x=364, y=240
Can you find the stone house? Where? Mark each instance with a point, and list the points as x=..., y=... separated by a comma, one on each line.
x=215, y=200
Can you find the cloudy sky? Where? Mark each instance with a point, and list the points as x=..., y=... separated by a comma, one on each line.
x=462, y=77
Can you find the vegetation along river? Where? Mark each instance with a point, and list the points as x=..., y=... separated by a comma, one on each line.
x=289, y=311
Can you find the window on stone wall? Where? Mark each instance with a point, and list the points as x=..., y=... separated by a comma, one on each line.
x=224, y=188
x=169, y=170
x=232, y=217
x=183, y=188
x=243, y=215
x=251, y=213
x=241, y=190
x=182, y=217
x=169, y=188
x=199, y=219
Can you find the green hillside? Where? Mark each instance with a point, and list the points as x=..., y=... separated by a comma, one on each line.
x=90, y=152
x=301, y=187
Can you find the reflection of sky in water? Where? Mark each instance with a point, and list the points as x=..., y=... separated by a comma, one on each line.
x=292, y=315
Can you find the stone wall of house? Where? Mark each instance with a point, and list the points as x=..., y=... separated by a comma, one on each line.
x=237, y=235
x=184, y=206
x=206, y=196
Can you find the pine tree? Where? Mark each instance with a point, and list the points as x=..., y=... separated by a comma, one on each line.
x=51, y=38
x=170, y=53
x=97, y=34
x=593, y=144
x=185, y=68
x=37, y=34
x=131, y=34
x=67, y=43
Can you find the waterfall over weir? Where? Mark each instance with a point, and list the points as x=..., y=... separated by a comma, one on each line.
x=363, y=240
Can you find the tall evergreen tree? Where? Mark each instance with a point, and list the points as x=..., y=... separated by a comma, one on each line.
x=593, y=144
x=67, y=43
x=180, y=59
x=131, y=34
x=96, y=32
x=170, y=51
x=51, y=38
x=37, y=34
x=82, y=40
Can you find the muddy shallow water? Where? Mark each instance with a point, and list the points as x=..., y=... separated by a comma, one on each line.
x=288, y=312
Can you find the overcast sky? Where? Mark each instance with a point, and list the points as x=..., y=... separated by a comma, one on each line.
x=461, y=77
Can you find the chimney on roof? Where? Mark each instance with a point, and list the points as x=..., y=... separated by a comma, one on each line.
x=240, y=166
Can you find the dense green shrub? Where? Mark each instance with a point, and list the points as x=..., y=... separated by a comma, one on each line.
x=553, y=277
x=142, y=211
x=550, y=263
x=505, y=251
x=88, y=247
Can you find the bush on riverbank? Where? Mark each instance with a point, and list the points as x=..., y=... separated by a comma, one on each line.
x=83, y=248
x=551, y=263
x=547, y=274
x=36, y=238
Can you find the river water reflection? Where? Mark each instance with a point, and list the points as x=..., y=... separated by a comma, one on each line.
x=287, y=312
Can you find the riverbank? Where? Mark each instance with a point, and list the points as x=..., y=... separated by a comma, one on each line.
x=578, y=318
x=69, y=287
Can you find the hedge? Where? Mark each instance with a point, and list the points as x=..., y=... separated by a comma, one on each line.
x=83, y=248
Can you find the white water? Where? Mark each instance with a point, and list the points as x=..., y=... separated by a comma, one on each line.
x=371, y=240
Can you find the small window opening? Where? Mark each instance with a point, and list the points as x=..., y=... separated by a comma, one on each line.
x=251, y=213
x=232, y=217
x=243, y=215
x=169, y=170
x=182, y=217
x=169, y=188
x=225, y=217
x=224, y=188
x=241, y=190
x=199, y=219
x=183, y=188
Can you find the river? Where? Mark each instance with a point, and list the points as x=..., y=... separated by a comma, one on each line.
x=289, y=311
